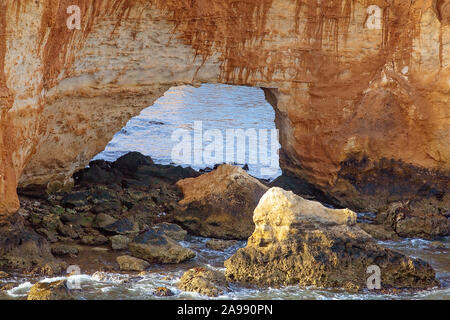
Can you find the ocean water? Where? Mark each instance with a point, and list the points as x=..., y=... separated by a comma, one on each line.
x=183, y=112
x=137, y=287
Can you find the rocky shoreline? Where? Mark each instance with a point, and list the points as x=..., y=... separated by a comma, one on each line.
x=132, y=214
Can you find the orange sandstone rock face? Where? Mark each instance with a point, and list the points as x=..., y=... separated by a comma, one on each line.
x=360, y=87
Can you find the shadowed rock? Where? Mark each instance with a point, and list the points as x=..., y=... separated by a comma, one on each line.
x=154, y=246
x=220, y=204
x=22, y=249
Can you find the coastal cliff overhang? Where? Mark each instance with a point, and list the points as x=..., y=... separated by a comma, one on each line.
x=360, y=87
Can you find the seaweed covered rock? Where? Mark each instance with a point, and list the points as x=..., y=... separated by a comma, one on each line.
x=220, y=204
x=301, y=242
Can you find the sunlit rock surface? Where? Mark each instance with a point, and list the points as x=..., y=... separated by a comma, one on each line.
x=301, y=242
x=361, y=94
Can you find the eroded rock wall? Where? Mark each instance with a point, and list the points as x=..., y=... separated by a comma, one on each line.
x=361, y=92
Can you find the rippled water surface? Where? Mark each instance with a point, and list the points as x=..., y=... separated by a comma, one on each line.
x=219, y=107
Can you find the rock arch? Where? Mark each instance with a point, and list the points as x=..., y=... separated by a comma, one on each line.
x=363, y=113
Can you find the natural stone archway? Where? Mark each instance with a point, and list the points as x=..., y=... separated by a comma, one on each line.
x=363, y=111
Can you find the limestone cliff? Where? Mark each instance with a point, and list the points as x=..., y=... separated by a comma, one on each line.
x=360, y=87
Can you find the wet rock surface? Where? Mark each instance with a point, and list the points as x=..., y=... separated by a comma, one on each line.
x=57, y=290
x=220, y=204
x=171, y=230
x=128, y=263
x=63, y=250
x=220, y=245
x=300, y=242
x=207, y=282
x=154, y=246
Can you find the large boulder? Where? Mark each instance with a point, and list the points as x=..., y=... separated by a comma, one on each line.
x=22, y=249
x=154, y=246
x=220, y=204
x=301, y=242
x=130, y=162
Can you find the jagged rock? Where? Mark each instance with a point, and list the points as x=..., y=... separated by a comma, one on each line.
x=156, y=247
x=50, y=222
x=105, y=200
x=130, y=162
x=379, y=232
x=220, y=204
x=168, y=173
x=64, y=250
x=119, y=242
x=204, y=281
x=220, y=245
x=69, y=231
x=102, y=220
x=301, y=242
x=3, y=275
x=57, y=290
x=99, y=171
x=8, y=286
x=94, y=240
x=50, y=235
x=22, y=249
x=414, y=219
x=122, y=226
x=68, y=217
x=128, y=263
x=75, y=200
x=171, y=230
x=437, y=245
x=163, y=292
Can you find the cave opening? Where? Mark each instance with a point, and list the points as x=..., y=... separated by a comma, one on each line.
x=200, y=127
